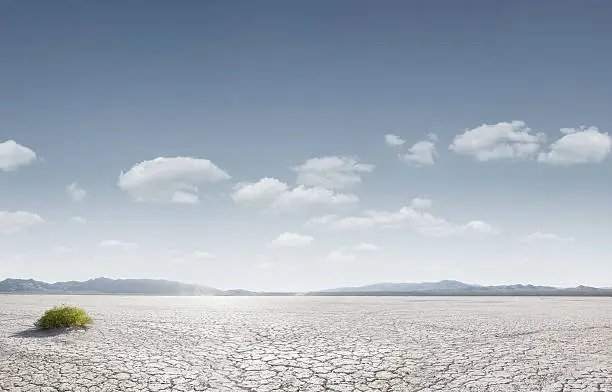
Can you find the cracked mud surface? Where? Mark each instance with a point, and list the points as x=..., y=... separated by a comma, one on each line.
x=310, y=344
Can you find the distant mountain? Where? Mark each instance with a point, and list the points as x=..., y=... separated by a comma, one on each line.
x=455, y=288
x=393, y=287
x=23, y=285
x=106, y=286
x=166, y=287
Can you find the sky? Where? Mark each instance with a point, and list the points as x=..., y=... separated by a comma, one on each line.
x=278, y=145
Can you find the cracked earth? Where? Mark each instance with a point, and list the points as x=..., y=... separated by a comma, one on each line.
x=310, y=344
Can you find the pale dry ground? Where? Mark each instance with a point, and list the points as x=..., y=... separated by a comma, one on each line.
x=311, y=344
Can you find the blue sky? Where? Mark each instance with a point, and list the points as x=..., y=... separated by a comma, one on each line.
x=281, y=145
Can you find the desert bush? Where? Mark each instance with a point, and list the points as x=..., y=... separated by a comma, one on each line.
x=63, y=317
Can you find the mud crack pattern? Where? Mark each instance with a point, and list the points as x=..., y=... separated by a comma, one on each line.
x=310, y=344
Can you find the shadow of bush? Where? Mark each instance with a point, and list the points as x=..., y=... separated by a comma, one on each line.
x=46, y=333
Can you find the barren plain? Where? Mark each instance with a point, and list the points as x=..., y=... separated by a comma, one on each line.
x=310, y=344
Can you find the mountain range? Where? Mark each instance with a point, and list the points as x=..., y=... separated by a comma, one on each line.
x=455, y=288
x=106, y=286
x=171, y=288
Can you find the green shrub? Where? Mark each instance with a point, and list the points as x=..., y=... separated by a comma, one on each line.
x=63, y=317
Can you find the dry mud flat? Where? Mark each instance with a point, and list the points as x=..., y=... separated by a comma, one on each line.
x=311, y=344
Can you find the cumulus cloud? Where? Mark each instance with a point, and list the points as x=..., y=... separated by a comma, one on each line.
x=417, y=220
x=432, y=136
x=278, y=195
x=265, y=189
x=78, y=219
x=542, y=236
x=333, y=172
x=478, y=227
x=419, y=154
x=318, y=181
x=290, y=240
x=420, y=203
x=185, y=197
x=116, y=244
x=76, y=194
x=504, y=140
x=578, y=145
x=305, y=196
x=170, y=180
x=423, y=152
x=13, y=222
x=14, y=155
x=394, y=140
x=339, y=255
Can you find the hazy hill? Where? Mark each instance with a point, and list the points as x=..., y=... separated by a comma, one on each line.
x=452, y=287
x=165, y=287
x=23, y=285
x=424, y=286
x=107, y=286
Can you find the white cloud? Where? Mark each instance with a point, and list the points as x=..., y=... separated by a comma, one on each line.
x=14, y=155
x=479, y=227
x=542, y=236
x=432, y=137
x=170, y=180
x=317, y=183
x=279, y=197
x=265, y=189
x=394, y=140
x=504, y=140
x=290, y=240
x=182, y=197
x=76, y=194
x=366, y=247
x=420, y=203
x=305, y=196
x=346, y=253
x=578, y=145
x=78, y=219
x=13, y=222
x=116, y=244
x=423, y=152
x=340, y=255
x=419, y=221
x=333, y=172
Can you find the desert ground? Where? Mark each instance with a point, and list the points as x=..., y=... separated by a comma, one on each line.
x=310, y=344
